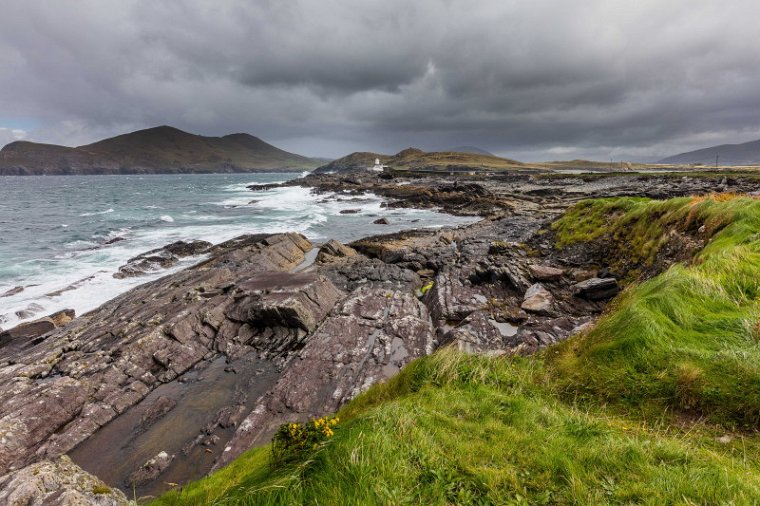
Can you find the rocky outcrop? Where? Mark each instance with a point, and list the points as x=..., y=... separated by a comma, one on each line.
x=152, y=469
x=300, y=337
x=596, y=289
x=61, y=389
x=368, y=338
x=57, y=483
x=161, y=258
x=538, y=300
x=333, y=250
x=12, y=291
x=26, y=332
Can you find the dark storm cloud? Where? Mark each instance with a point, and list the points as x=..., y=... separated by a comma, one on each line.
x=532, y=80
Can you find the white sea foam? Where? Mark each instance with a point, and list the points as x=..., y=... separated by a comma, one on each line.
x=87, y=266
x=96, y=213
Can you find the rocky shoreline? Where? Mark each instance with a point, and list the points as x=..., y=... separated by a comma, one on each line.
x=303, y=329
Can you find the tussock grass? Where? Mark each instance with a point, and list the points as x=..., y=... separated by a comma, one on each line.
x=656, y=405
x=686, y=340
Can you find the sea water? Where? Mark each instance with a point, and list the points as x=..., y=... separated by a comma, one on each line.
x=63, y=237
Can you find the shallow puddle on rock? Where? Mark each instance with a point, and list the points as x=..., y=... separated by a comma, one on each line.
x=309, y=258
x=398, y=354
x=505, y=329
x=118, y=449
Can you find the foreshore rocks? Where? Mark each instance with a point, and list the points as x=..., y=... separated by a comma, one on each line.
x=596, y=288
x=26, y=332
x=60, y=390
x=161, y=258
x=370, y=337
x=57, y=483
x=301, y=330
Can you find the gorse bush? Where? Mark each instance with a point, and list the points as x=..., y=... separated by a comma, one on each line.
x=293, y=440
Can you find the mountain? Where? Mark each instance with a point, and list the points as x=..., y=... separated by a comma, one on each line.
x=470, y=149
x=159, y=150
x=416, y=159
x=747, y=153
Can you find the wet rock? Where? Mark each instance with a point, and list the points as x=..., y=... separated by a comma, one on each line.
x=161, y=258
x=538, y=300
x=57, y=483
x=264, y=186
x=27, y=330
x=381, y=221
x=333, y=250
x=187, y=248
x=350, y=211
x=151, y=470
x=545, y=273
x=62, y=317
x=31, y=310
x=595, y=289
x=114, y=240
x=155, y=412
x=12, y=291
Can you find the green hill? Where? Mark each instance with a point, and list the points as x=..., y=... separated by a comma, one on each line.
x=416, y=159
x=155, y=150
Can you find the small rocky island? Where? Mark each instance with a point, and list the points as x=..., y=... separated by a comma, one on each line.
x=181, y=375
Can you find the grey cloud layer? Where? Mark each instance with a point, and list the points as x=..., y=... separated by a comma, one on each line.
x=525, y=79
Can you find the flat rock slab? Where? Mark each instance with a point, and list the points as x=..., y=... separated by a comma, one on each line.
x=292, y=300
x=545, y=273
x=161, y=258
x=595, y=289
x=538, y=300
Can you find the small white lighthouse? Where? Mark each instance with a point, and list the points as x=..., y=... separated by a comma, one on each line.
x=378, y=166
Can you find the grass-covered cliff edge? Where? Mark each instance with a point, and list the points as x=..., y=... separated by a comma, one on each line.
x=657, y=404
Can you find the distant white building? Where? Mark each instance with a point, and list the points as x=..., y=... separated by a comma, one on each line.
x=378, y=167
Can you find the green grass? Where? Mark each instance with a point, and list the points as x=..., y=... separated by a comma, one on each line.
x=629, y=413
x=686, y=340
x=458, y=429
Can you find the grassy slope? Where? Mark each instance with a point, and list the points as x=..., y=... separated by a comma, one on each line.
x=687, y=339
x=598, y=419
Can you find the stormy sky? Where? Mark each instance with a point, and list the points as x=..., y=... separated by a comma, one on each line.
x=532, y=80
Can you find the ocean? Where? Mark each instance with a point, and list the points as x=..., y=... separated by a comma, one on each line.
x=63, y=237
